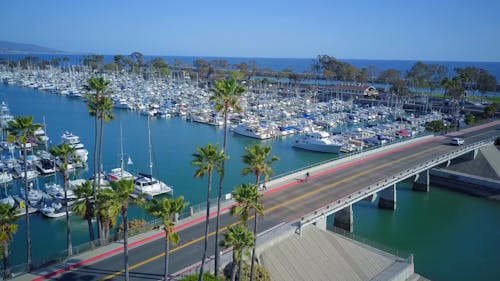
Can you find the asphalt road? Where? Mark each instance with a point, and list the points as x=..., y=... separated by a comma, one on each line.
x=286, y=205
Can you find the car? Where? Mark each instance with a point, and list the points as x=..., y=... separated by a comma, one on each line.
x=457, y=141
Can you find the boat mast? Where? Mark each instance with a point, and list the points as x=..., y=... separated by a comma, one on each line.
x=150, y=156
x=121, y=150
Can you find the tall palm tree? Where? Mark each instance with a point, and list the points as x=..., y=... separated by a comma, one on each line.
x=22, y=129
x=100, y=105
x=84, y=206
x=249, y=201
x=257, y=164
x=166, y=209
x=226, y=95
x=119, y=195
x=239, y=238
x=66, y=153
x=8, y=228
x=208, y=159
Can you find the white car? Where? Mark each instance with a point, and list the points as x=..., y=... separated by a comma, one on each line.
x=457, y=141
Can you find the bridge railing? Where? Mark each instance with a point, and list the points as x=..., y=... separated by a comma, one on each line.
x=201, y=207
x=354, y=197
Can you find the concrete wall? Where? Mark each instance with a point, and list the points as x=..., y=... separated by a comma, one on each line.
x=465, y=183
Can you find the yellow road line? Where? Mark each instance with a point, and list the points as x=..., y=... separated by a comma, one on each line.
x=312, y=192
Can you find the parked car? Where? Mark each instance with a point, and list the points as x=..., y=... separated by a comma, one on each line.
x=457, y=141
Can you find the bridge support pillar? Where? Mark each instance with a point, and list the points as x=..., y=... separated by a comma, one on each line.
x=321, y=223
x=344, y=219
x=448, y=163
x=371, y=198
x=421, y=182
x=472, y=155
x=387, y=198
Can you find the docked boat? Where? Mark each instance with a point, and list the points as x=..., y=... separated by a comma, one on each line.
x=74, y=141
x=253, y=131
x=54, y=210
x=117, y=174
x=5, y=177
x=149, y=187
x=46, y=163
x=319, y=141
x=145, y=184
x=57, y=192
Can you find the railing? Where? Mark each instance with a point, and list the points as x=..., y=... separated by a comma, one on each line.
x=202, y=206
x=395, y=178
x=307, y=219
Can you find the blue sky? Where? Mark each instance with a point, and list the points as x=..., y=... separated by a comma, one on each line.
x=459, y=30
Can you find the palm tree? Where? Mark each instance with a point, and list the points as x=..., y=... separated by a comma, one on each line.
x=100, y=105
x=22, y=129
x=119, y=195
x=249, y=200
x=85, y=206
x=208, y=159
x=166, y=209
x=66, y=153
x=106, y=212
x=226, y=98
x=8, y=228
x=258, y=165
x=239, y=238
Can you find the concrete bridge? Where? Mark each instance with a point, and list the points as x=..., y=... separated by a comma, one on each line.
x=386, y=189
x=332, y=188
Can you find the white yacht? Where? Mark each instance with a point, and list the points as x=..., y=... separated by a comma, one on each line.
x=74, y=141
x=150, y=187
x=145, y=184
x=117, y=174
x=253, y=131
x=319, y=141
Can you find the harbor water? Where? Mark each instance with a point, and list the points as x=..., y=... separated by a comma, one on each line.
x=452, y=236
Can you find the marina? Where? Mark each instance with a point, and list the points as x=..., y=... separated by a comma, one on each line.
x=173, y=140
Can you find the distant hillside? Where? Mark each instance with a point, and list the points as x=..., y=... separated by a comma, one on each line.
x=21, y=48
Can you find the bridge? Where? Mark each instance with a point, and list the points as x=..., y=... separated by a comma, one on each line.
x=332, y=188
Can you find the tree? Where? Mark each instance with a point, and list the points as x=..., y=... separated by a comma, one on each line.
x=66, y=153
x=470, y=119
x=476, y=79
x=119, y=195
x=166, y=209
x=207, y=160
x=225, y=96
x=257, y=164
x=138, y=59
x=248, y=198
x=239, y=238
x=8, y=228
x=22, y=129
x=100, y=105
x=84, y=206
x=435, y=126
x=106, y=212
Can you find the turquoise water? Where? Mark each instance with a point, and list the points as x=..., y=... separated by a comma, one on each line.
x=453, y=236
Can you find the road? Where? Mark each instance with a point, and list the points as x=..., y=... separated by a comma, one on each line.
x=281, y=205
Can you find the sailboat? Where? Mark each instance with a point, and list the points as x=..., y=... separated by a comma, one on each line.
x=119, y=173
x=146, y=185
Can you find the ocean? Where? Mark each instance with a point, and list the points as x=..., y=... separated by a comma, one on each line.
x=453, y=236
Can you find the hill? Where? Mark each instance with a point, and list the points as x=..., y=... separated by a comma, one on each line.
x=22, y=48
